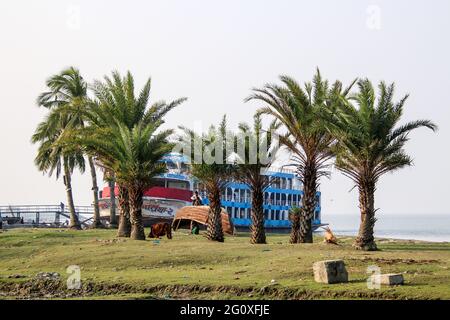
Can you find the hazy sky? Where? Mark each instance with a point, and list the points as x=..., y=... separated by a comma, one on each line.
x=214, y=52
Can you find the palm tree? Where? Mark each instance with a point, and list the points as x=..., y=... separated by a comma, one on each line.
x=111, y=180
x=371, y=143
x=209, y=163
x=68, y=94
x=116, y=105
x=53, y=158
x=294, y=216
x=299, y=110
x=256, y=151
x=134, y=155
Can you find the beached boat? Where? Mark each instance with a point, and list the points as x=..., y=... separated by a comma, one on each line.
x=174, y=189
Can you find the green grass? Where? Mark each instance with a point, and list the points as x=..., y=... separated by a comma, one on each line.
x=234, y=269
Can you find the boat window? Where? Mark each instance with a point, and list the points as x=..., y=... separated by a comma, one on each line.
x=266, y=198
x=171, y=166
x=160, y=183
x=229, y=194
x=177, y=184
x=283, y=199
x=276, y=183
x=184, y=168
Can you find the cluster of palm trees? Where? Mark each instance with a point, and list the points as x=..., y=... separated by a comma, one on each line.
x=320, y=124
x=115, y=129
x=359, y=130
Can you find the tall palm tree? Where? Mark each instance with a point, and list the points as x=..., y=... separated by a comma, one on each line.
x=53, y=158
x=371, y=143
x=68, y=94
x=117, y=105
x=134, y=155
x=255, y=153
x=298, y=110
x=209, y=163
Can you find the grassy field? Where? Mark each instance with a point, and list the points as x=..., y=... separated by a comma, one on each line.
x=192, y=267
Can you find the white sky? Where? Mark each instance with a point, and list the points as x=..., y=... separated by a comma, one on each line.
x=214, y=52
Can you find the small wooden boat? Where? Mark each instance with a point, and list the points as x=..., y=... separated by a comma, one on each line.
x=199, y=214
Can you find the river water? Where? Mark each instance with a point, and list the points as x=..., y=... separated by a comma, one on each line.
x=428, y=227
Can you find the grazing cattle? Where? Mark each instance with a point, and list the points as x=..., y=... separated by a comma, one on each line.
x=158, y=230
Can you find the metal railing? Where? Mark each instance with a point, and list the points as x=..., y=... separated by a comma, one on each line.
x=18, y=209
x=16, y=212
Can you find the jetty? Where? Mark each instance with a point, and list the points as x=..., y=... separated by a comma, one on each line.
x=13, y=216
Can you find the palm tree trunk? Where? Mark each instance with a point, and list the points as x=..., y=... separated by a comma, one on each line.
x=112, y=201
x=308, y=202
x=74, y=222
x=136, y=200
x=96, y=223
x=124, y=213
x=257, y=229
x=365, y=240
x=295, y=228
x=214, y=229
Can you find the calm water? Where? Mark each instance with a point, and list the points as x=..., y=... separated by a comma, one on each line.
x=417, y=227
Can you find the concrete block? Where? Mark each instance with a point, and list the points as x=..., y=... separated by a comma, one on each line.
x=389, y=279
x=330, y=271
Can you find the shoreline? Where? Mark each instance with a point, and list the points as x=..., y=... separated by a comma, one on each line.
x=393, y=238
x=318, y=232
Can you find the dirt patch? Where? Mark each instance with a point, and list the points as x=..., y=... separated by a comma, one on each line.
x=56, y=289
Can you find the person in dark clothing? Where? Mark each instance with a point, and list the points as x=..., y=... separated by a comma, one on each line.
x=196, y=201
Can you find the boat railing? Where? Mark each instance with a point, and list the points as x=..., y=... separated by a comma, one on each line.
x=280, y=170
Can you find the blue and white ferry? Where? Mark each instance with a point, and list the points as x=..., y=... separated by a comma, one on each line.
x=175, y=188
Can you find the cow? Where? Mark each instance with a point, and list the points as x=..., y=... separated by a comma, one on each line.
x=158, y=230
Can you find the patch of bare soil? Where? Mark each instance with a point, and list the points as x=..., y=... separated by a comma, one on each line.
x=40, y=288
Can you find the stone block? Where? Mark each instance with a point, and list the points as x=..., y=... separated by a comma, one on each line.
x=330, y=271
x=389, y=279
